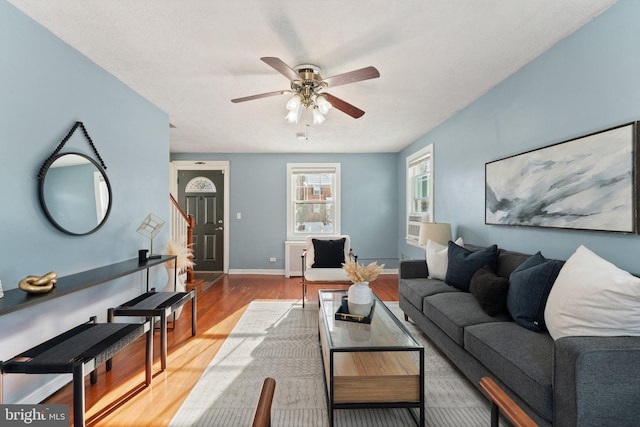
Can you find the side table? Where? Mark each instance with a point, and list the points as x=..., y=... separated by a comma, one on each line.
x=157, y=304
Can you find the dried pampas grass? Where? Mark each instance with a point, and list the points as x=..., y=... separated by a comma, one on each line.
x=184, y=255
x=361, y=273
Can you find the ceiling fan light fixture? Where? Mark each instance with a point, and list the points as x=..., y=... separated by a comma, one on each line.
x=294, y=103
x=323, y=105
x=294, y=115
x=318, y=117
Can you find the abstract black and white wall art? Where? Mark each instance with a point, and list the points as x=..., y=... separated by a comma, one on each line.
x=587, y=183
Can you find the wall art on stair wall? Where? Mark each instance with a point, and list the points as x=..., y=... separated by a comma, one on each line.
x=586, y=183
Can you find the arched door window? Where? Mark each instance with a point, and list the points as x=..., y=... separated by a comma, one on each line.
x=200, y=184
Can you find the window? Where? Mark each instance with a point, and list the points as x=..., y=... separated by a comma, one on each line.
x=313, y=199
x=419, y=191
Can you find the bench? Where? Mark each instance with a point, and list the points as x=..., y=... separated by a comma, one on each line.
x=157, y=304
x=79, y=351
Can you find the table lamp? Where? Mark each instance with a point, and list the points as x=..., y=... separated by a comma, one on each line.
x=439, y=232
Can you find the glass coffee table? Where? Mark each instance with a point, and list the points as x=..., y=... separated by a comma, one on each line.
x=376, y=365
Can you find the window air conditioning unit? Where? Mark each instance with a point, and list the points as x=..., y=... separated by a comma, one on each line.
x=413, y=227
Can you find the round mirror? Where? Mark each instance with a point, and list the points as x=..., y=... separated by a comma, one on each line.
x=75, y=194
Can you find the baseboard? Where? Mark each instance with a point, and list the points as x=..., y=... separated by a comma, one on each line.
x=273, y=272
x=44, y=392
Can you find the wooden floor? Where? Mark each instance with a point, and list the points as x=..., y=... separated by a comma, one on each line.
x=120, y=398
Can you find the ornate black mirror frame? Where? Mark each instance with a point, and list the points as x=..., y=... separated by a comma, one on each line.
x=54, y=217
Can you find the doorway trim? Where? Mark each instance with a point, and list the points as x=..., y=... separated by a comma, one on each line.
x=178, y=165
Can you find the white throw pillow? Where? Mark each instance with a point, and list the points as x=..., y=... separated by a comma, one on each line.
x=593, y=297
x=438, y=258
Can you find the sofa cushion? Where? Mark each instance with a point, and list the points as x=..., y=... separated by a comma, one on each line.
x=437, y=256
x=415, y=290
x=490, y=290
x=529, y=287
x=453, y=311
x=591, y=296
x=328, y=253
x=463, y=263
x=520, y=358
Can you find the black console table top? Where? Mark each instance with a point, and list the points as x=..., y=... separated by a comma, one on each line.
x=17, y=299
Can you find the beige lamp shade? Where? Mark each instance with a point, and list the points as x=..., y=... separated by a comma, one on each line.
x=439, y=232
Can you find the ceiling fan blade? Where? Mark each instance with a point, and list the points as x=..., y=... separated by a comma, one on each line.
x=281, y=67
x=353, y=76
x=344, y=106
x=261, y=95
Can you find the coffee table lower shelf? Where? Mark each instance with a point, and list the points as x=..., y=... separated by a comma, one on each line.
x=373, y=378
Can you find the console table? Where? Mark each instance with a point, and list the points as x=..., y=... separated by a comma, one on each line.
x=17, y=299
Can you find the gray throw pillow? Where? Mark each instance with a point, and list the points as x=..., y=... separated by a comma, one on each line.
x=529, y=287
x=463, y=263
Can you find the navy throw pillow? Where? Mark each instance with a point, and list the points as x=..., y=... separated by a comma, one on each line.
x=463, y=263
x=328, y=253
x=490, y=290
x=529, y=287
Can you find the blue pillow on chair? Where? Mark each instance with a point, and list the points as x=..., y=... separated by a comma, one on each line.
x=463, y=263
x=328, y=253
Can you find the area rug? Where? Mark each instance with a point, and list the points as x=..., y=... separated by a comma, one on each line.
x=280, y=340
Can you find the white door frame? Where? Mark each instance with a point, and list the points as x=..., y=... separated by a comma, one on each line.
x=223, y=166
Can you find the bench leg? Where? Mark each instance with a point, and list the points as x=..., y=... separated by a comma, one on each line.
x=163, y=340
x=194, y=314
x=149, y=353
x=110, y=320
x=78, y=395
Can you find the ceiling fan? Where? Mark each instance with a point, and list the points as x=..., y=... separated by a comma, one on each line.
x=308, y=88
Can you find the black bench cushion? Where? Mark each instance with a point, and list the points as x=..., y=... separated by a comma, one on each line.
x=155, y=300
x=78, y=345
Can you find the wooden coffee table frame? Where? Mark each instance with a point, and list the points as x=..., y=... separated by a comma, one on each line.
x=370, y=376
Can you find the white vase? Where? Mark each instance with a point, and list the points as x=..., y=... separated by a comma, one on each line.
x=179, y=286
x=359, y=299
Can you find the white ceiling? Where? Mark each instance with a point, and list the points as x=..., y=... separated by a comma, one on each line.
x=190, y=58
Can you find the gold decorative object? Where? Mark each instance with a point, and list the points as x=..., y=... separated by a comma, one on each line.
x=39, y=284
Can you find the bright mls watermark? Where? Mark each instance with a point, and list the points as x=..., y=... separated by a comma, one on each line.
x=34, y=415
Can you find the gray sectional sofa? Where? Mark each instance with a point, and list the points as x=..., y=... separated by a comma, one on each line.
x=574, y=381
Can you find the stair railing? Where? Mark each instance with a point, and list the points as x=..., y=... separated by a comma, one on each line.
x=181, y=230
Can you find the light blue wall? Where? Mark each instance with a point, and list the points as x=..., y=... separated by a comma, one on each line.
x=46, y=87
x=258, y=191
x=587, y=82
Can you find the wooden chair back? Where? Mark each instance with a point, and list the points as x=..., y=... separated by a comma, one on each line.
x=262, y=416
